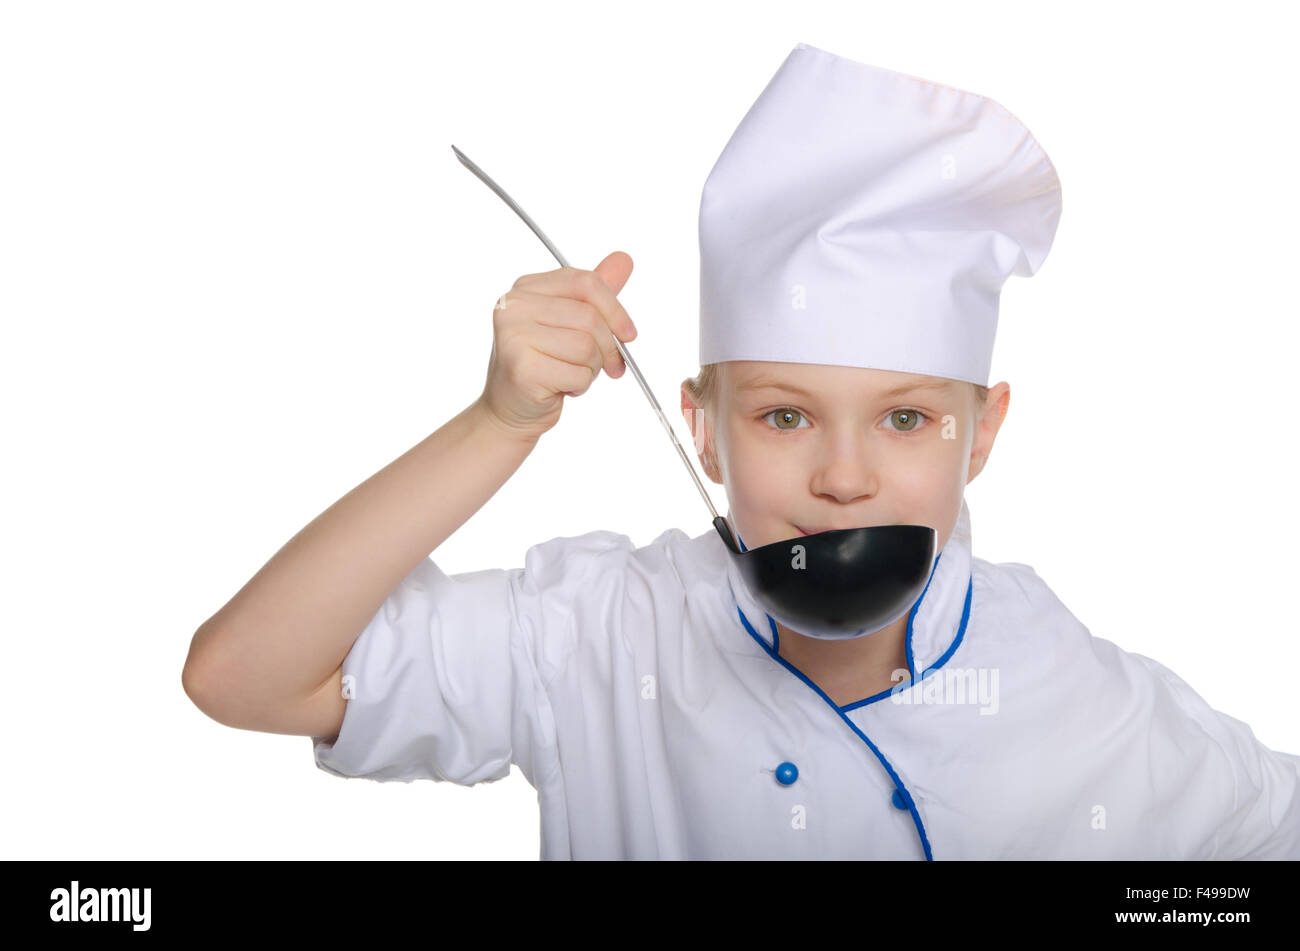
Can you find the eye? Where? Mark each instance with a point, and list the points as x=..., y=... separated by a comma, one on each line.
x=785, y=415
x=906, y=420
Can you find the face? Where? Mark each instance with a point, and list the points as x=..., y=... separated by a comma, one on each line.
x=803, y=448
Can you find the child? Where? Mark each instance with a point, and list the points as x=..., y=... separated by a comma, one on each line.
x=855, y=235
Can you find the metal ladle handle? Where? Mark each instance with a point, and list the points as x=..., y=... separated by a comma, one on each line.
x=718, y=521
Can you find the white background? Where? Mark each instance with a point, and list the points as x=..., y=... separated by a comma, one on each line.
x=241, y=271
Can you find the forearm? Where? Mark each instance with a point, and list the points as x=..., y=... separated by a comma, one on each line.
x=290, y=627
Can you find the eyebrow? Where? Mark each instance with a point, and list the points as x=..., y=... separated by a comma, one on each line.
x=768, y=383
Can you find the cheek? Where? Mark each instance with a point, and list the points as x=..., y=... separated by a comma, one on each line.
x=755, y=476
x=940, y=460
x=927, y=482
x=752, y=476
x=750, y=446
x=932, y=489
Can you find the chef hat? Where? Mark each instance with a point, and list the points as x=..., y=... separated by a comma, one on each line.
x=863, y=217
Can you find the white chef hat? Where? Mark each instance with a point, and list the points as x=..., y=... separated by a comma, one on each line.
x=863, y=217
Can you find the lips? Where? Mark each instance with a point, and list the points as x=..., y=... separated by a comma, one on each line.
x=815, y=531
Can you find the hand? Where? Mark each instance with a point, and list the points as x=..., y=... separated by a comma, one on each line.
x=552, y=334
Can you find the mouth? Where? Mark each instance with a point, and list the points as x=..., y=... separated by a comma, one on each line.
x=827, y=528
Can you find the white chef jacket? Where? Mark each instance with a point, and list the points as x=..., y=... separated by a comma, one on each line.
x=640, y=691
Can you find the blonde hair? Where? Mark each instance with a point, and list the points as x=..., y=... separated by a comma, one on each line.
x=703, y=388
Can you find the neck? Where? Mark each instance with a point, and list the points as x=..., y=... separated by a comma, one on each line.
x=850, y=669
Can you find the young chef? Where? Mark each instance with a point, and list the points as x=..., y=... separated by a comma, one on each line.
x=855, y=235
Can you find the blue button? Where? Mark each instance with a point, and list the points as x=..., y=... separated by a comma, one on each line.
x=787, y=773
x=898, y=799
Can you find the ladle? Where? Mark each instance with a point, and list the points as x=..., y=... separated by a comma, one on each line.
x=834, y=585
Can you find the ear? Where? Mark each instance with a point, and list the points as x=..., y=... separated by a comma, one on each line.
x=987, y=425
x=701, y=432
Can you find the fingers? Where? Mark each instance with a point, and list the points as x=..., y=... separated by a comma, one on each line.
x=574, y=348
x=574, y=316
x=578, y=284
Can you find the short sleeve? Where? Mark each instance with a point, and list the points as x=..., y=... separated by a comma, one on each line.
x=1264, y=820
x=448, y=680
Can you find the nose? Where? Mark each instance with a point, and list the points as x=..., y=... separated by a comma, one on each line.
x=846, y=467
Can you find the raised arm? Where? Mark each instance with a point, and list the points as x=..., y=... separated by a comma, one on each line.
x=271, y=658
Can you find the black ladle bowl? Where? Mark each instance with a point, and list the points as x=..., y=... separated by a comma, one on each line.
x=840, y=584
x=844, y=583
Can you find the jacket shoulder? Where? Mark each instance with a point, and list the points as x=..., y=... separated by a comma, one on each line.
x=1014, y=602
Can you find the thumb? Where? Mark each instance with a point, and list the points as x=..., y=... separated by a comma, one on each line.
x=615, y=270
